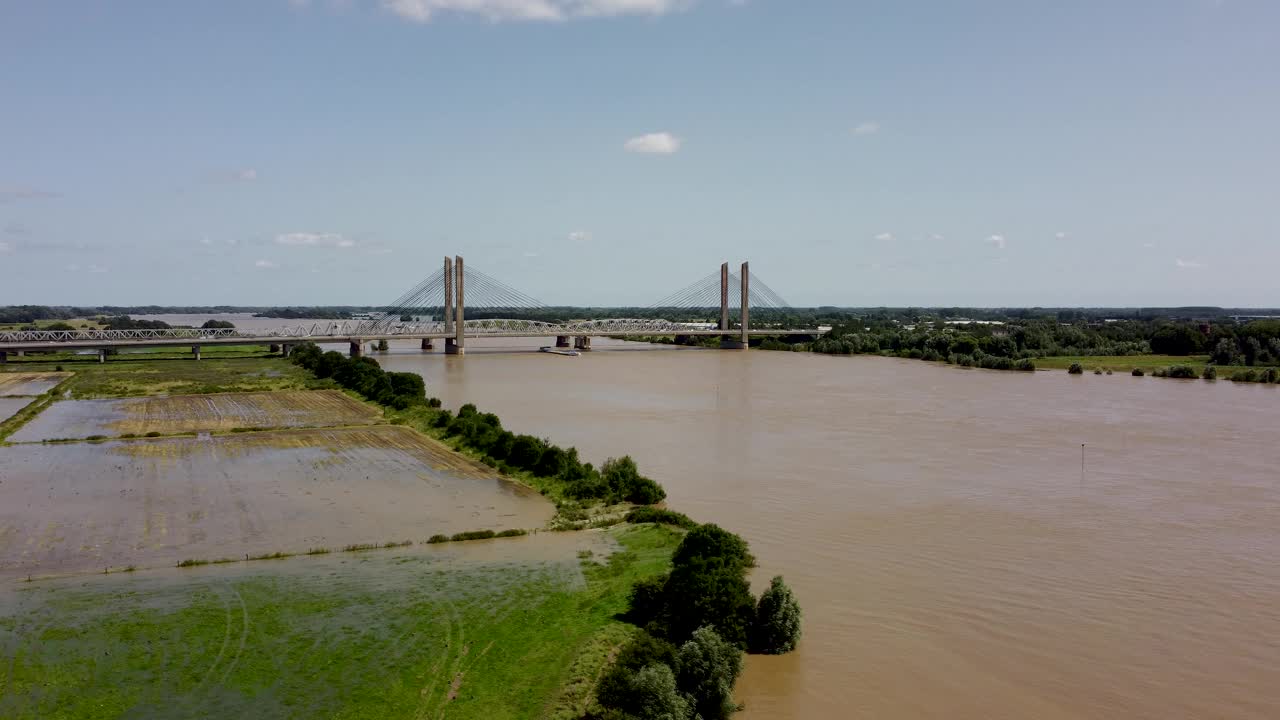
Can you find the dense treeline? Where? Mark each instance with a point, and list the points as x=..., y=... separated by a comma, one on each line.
x=364, y=375
x=618, y=480
x=697, y=620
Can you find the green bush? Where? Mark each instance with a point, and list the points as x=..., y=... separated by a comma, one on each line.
x=1075, y=369
x=436, y=539
x=664, y=517
x=472, y=535
x=707, y=666
x=1137, y=372
x=1210, y=373
x=1182, y=372
x=1025, y=365
x=511, y=532
x=777, y=624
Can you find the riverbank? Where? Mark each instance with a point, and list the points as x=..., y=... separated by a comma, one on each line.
x=255, y=437
x=512, y=627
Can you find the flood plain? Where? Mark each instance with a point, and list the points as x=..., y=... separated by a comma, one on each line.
x=214, y=412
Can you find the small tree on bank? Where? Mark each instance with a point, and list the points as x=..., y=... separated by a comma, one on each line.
x=777, y=625
x=707, y=666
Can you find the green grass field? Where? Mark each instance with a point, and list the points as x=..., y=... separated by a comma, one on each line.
x=130, y=376
x=419, y=634
x=1124, y=364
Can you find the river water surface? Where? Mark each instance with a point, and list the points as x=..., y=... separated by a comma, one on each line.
x=952, y=558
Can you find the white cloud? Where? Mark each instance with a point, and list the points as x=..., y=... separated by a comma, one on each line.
x=531, y=254
x=661, y=143
x=1187, y=263
x=97, y=269
x=205, y=240
x=310, y=239
x=247, y=175
x=1149, y=244
x=997, y=240
x=265, y=265
x=5, y=247
x=885, y=236
x=421, y=11
x=867, y=128
x=580, y=236
x=1061, y=235
x=76, y=268
x=937, y=236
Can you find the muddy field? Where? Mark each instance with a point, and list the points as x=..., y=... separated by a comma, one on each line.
x=88, y=506
x=9, y=406
x=196, y=413
x=29, y=383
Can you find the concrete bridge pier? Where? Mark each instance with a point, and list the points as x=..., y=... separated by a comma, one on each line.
x=562, y=341
x=451, y=347
x=356, y=349
x=286, y=350
x=273, y=348
x=102, y=355
x=195, y=352
x=427, y=345
x=4, y=356
x=582, y=343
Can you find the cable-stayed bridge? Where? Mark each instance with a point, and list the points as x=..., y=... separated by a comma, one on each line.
x=436, y=310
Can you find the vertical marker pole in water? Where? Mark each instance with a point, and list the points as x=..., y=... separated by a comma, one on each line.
x=1081, y=463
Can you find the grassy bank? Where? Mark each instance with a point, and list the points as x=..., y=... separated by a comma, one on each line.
x=155, y=376
x=387, y=635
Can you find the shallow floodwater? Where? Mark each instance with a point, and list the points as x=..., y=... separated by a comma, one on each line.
x=213, y=412
x=84, y=506
x=9, y=406
x=952, y=557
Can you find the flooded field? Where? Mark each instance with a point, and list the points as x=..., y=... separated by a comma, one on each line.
x=9, y=406
x=403, y=633
x=86, y=506
x=196, y=413
x=29, y=383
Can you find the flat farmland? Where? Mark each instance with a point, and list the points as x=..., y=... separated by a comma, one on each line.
x=29, y=383
x=176, y=414
x=88, y=506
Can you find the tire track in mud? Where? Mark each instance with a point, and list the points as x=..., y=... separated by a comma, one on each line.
x=244, y=633
x=425, y=706
x=226, y=640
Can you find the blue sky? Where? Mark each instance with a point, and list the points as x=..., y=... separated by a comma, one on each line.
x=958, y=152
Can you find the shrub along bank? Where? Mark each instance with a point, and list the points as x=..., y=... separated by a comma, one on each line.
x=697, y=619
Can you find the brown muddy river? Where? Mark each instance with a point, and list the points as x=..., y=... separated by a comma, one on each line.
x=952, y=558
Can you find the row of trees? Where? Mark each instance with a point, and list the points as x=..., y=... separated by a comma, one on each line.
x=617, y=480
x=364, y=375
x=697, y=620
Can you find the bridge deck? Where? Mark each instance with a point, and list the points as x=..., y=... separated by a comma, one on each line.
x=105, y=342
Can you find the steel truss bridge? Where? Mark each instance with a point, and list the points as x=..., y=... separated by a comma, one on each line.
x=442, y=295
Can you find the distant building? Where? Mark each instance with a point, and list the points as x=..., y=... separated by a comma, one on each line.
x=371, y=315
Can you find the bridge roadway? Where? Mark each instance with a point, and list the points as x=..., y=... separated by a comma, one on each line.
x=356, y=334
